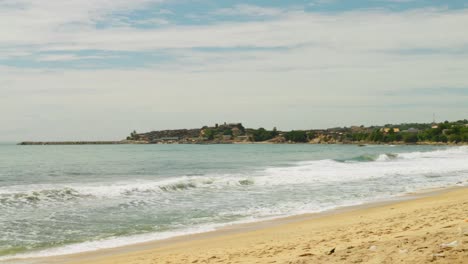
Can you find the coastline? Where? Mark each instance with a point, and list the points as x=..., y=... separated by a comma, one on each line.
x=130, y=142
x=225, y=241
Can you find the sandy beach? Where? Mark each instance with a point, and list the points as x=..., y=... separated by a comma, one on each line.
x=427, y=229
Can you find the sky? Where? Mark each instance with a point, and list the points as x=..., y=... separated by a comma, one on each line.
x=99, y=69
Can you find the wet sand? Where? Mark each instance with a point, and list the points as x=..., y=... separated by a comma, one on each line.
x=431, y=228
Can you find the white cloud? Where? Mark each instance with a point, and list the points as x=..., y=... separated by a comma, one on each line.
x=165, y=12
x=68, y=57
x=153, y=21
x=352, y=31
x=330, y=69
x=13, y=53
x=31, y=22
x=321, y=2
x=398, y=1
x=249, y=10
x=300, y=88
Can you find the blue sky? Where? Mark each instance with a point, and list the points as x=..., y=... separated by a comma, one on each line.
x=156, y=64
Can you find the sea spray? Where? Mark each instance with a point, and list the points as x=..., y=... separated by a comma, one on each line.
x=118, y=195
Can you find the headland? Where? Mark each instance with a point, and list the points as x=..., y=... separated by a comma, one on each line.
x=445, y=133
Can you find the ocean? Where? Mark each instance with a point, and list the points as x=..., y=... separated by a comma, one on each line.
x=58, y=200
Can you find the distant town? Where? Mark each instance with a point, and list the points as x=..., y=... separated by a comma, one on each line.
x=455, y=132
x=444, y=132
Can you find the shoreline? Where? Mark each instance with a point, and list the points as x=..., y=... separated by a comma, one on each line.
x=232, y=230
x=126, y=142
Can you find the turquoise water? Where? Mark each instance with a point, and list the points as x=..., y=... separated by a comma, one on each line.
x=66, y=199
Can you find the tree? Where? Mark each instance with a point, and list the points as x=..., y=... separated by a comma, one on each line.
x=376, y=136
x=443, y=138
x=398, y=137
x=410, y=138
x=390, y=137
x=262, y=134
x=455, y=138
x=209, y=134
x=312, y=135
x=296, y=136
x=133, y=136
x=274, y=132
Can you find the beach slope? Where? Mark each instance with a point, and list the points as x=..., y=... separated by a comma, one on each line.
x=431, y=229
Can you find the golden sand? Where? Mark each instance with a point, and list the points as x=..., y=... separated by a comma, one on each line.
x=424, y=230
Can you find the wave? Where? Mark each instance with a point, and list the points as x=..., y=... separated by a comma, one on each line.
x=440, y=153
x=370, y=158
x=453, y=152
x=251, y=216
x=108, y=243
x=409, y=170
x=411, y=164
x=36, y=195
x=314, y=172
x=15, y=199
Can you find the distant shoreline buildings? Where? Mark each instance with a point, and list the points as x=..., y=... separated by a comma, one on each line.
x=230, y=133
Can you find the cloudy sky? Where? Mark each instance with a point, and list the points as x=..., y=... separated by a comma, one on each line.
x=97, y=69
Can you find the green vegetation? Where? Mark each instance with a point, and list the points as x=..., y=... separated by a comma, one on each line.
x=227, y=132
x=410, y=138
x=209, y=134
x=262, y=134
x=406, y=126
x=379, y=136
x=133, y=136
x=296, y=136
x=411, y=133
x=451, y=132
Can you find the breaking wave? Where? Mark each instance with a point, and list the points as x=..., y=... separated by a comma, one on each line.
x=311, y=182
x=14, y=199
x=309, y=172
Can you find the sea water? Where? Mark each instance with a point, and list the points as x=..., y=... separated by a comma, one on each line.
x=66, y=199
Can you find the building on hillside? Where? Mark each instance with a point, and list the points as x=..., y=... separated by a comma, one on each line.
x=234, y=124
x=169, y=138
x=236, y=131
x=358, y=129
x=412, y=130
x=387, y=130
x=165, y=140
x=243, y=138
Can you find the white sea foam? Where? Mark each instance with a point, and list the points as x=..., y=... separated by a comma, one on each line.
x=455, y=162
x=108, y=243
x=410, y=171
x=252, y=215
